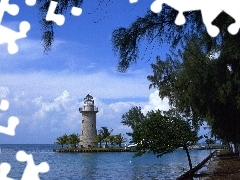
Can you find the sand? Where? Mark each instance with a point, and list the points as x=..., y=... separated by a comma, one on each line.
x=221, y=167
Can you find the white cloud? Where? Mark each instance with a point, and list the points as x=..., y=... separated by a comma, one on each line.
x=101, y=84
x=155, y=103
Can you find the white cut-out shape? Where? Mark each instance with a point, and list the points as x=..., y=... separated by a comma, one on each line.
x=4, y=170
x=12, y=9
x=9, y=36
x=30, y=2
x=209, y=9
x=233, y=28
x=180, y=19
x=31, y=170
x=133, y=1
x=234, y=11
x=76, y=11
x=4, y=105
x=10, y=129
x=51, y=16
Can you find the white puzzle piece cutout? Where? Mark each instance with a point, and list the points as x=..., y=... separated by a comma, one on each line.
x=133, y=1
x=31, y=171
x=76, y=11
x=4, y=105
x=4, y=170
x=51, y=16
x=59, y=19
x=12, y=121
x=10, y=129
x=30, y=2
x=7, y=35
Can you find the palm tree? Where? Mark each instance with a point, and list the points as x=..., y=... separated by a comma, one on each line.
x=105, y=134
x=65, y=139
x=111, y=139
x=74, y=139
x=62, y=140
x=119, y=139
x=99, y=139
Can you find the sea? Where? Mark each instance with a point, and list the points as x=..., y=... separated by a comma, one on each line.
x=101, y=165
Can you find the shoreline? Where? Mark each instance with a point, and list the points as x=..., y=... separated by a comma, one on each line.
x=197, y=168
x=91, y=150
x=224, y=166
x=221, y=166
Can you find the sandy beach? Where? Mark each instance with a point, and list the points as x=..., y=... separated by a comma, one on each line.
x=222, y=167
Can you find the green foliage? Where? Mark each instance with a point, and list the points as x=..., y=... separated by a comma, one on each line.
x=119, y=139
x=111, y=140
x=162, y=134
x=132, y=118
x=72, y=139
x=198, y=84
x=152, y=27
x=99, y=139
x=103, y=135
x=202, y=87
x=61, y=140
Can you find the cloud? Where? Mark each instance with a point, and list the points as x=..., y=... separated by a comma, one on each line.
x=101, y=84
x=155, y=103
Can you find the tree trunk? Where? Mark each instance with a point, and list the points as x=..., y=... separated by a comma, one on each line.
x=189, y=160
x=237, y=148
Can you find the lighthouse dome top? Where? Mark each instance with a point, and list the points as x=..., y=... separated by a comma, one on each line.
x=88, y=100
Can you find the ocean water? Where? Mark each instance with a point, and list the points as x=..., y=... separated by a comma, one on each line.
x=100, y=166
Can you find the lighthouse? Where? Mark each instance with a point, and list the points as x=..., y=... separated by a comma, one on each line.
x=89, y=130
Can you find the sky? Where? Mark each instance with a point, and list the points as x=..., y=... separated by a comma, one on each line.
x=45, y=91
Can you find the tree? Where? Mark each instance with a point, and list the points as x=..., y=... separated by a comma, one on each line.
x=207, y=88
x=105, y=133
x=74, y=139
x=162, y=134
x=62, y=140
x=111, y=140
x=119, y=139
x=99, y=139
x=196, y=81
x=133, y=117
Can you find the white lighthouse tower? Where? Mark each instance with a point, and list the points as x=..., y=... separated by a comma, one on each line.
x=89, y=130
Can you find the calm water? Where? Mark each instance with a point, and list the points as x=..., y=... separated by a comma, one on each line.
x=100, y=166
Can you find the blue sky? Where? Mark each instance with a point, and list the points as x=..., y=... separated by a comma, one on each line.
x=46, y=91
